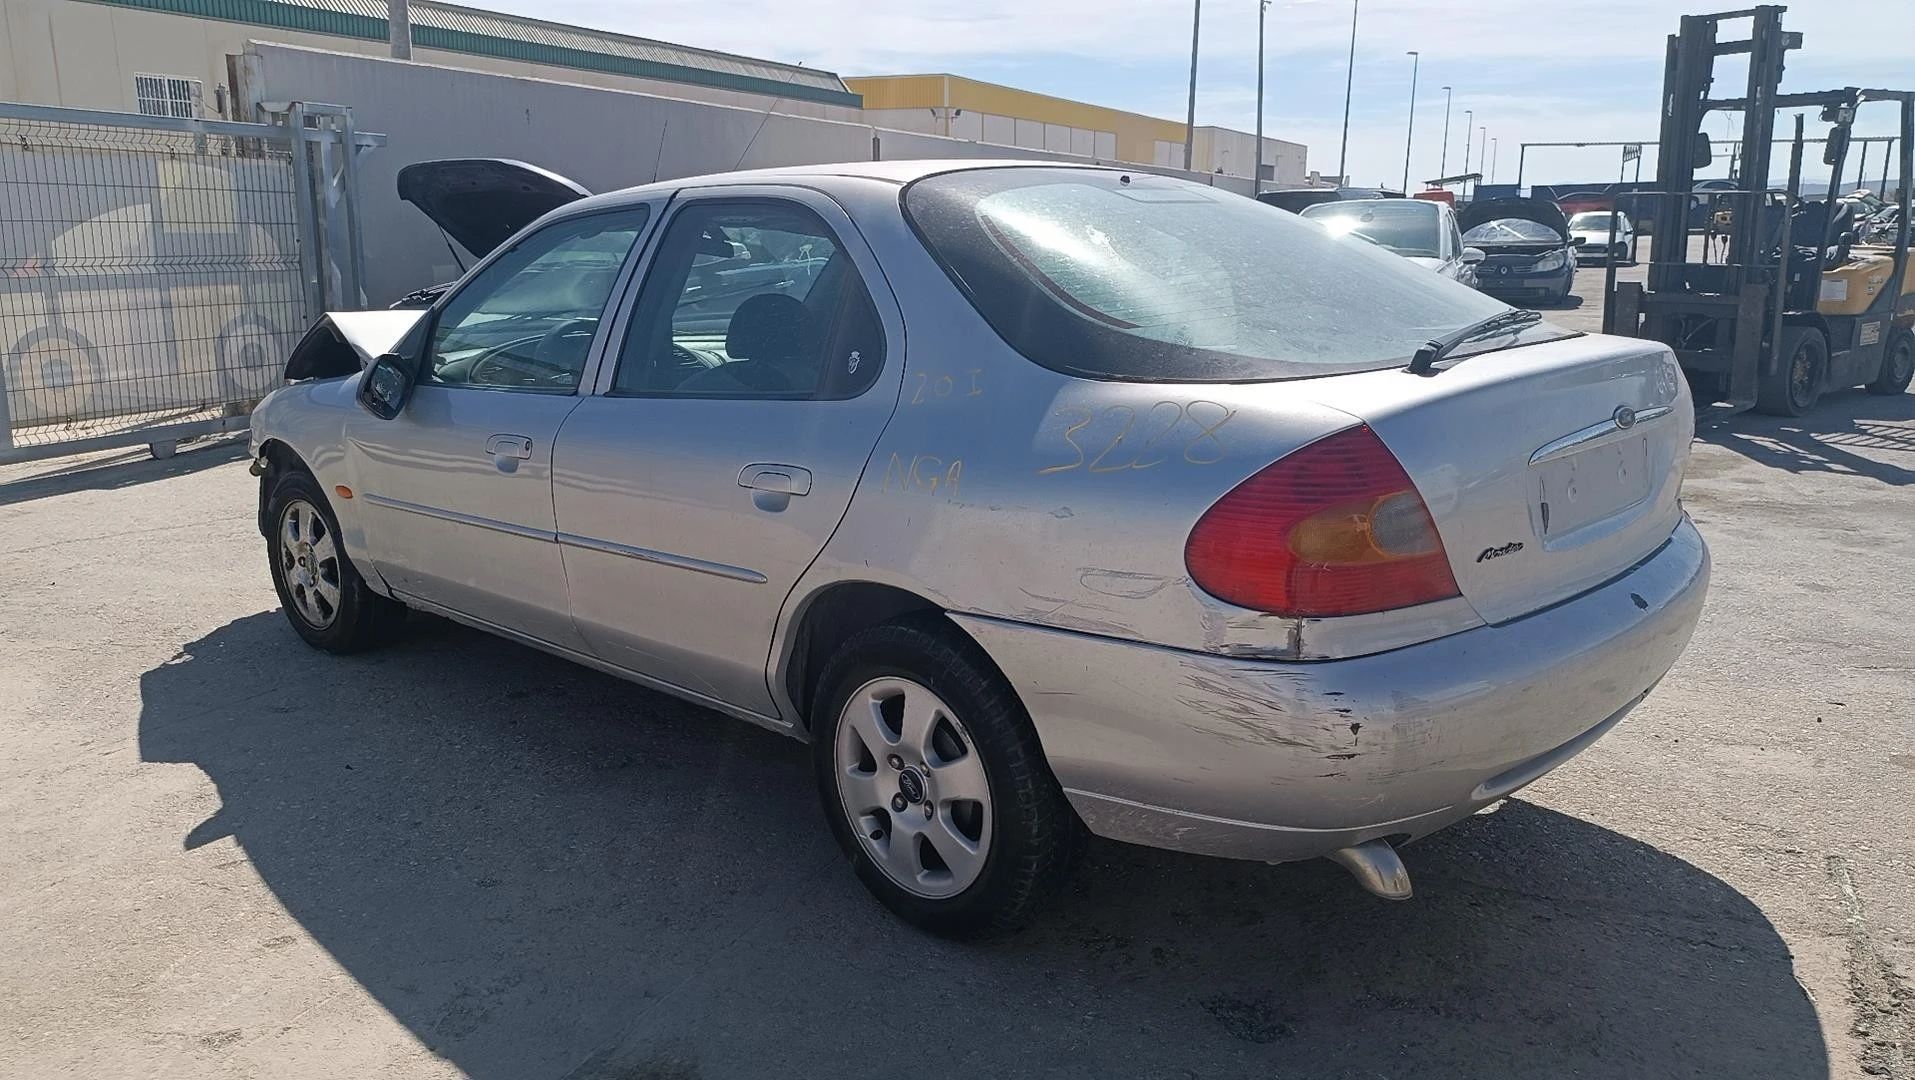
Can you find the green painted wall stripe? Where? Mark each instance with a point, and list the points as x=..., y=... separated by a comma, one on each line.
x=365, y=28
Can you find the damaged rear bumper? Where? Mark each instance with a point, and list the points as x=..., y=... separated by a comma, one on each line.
x=1281, y=761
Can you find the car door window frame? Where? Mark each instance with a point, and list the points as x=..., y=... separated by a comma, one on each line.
x=417, y=346
x=851, y=243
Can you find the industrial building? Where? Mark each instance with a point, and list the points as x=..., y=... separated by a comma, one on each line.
x=1005, y=116
x=168, y=57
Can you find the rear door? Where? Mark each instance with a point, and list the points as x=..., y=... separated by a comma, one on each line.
x=752, y=375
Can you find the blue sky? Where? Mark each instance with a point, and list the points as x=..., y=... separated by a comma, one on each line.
x=1530, y=70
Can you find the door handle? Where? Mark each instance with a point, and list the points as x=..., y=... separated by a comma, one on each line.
x=777, y=479
x=516, y=446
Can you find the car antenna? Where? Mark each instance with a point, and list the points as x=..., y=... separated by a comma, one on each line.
x=658, y=163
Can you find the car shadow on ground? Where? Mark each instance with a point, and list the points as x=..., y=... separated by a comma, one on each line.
x=1826, y=440
x=545, y=872
x=122, y=469
x=1567, y=303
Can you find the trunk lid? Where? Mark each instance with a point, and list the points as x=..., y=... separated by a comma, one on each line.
x=1548, y=468
x=483, y=202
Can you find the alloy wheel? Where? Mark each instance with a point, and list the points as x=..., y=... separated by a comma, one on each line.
x=309, y=563
x=912, y=783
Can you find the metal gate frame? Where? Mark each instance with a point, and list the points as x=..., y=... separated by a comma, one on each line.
x=325, y=148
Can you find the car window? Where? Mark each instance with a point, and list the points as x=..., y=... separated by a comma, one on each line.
x=750, y=298
x=1111, y=275
x=526, y=321
x=1507, y=230
x=1407, y=227
x=1597, y=220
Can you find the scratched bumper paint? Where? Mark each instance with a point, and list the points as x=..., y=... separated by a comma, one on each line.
x=1280, y=761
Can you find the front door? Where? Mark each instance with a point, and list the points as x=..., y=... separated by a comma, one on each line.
x=751, y=384
x=458, y=487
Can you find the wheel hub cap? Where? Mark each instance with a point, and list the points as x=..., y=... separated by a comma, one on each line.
x=911, y=785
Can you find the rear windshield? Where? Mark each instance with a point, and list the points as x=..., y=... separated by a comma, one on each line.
x=1127, y=276
x=1596, y=219
x=1409, y=228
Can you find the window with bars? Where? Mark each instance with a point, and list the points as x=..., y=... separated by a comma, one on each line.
x=165, y=95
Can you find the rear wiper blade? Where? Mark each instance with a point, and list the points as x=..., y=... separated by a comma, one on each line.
x=1424, y=362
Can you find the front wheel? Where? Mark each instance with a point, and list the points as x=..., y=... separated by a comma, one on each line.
x=325, y=599
x=1898, y=366
x=933, y=781
x=1796, y=385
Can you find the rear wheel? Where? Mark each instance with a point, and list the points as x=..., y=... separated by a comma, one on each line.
x=1796, y=385
x=1898, y=365
x=323, y=596
x=933, y=781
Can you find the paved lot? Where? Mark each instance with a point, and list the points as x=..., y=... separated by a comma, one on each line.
x=224, y=854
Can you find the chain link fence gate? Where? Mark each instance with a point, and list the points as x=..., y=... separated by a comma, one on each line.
x=155, y=272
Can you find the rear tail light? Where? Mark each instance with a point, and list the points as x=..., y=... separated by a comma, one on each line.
x=1335, y=528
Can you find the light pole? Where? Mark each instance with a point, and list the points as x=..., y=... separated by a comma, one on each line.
x=1409, y=136
x=1256, y=173
x=1349, y=83
x=1492, y=159
x=1190, y=120
x=1469, y=118
x=1482, y=152
x=1443, y=164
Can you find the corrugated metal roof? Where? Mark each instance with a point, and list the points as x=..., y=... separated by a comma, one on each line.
x=491, y=33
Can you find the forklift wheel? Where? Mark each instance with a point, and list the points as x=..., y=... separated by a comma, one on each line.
x=1796, y=385
x=1898, y=365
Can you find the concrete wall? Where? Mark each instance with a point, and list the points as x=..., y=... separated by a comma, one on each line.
x=604, y=139
x=81, y=55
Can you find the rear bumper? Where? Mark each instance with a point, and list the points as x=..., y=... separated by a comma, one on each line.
x=1282, y=761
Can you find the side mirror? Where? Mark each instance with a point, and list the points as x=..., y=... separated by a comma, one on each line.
x=1472, y=256
x=385, y=386
x=1838, y=144
x=1704, y=154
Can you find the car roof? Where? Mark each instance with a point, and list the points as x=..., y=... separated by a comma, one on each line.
x=893, y=172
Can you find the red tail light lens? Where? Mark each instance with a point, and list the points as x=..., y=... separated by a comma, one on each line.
x=1335, y=528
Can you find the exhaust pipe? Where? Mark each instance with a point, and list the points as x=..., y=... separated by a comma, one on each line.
x=1375, y=866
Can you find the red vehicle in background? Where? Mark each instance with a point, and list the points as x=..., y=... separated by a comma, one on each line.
x=1586, y=200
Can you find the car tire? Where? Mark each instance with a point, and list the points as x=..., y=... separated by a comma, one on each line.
x=1795, y=387
x=1898, y=365
x=918, y=738
x=321, y=592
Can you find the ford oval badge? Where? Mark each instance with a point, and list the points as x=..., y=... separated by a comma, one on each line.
x=1625, y=417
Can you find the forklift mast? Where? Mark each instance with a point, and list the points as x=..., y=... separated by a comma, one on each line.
x=1688, y=76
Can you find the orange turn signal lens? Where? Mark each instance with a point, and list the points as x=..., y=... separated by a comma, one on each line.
x=342, y=491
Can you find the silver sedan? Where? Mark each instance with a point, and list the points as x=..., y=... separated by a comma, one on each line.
x=1038, y=499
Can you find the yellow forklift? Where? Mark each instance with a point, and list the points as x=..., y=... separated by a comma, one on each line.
x=1782, y=303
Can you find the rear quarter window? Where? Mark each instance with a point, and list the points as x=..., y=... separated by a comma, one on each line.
x=1110, y=275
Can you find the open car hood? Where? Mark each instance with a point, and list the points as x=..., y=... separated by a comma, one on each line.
x=1541, y=211
x=482, y=202
x=342, y=342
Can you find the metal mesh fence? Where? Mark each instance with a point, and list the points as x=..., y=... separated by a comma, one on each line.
x=145, y=275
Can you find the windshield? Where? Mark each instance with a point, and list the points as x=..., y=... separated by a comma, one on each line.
x=1511, y=230
x=1405, y=227
x=1596, y=221
x=1127, y=276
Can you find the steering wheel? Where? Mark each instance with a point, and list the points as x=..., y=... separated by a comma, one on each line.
x=512, y=364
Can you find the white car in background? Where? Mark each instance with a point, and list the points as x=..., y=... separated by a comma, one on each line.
x=1421, y=231
x=1592, y=228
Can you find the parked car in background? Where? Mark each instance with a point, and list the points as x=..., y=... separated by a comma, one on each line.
x=1601, y=239
x=1529, y=253
x=1420, y=230
x=1585, y=201
x=1034, y=497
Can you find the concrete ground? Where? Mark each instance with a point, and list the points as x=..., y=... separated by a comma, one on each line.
x=227, y=855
